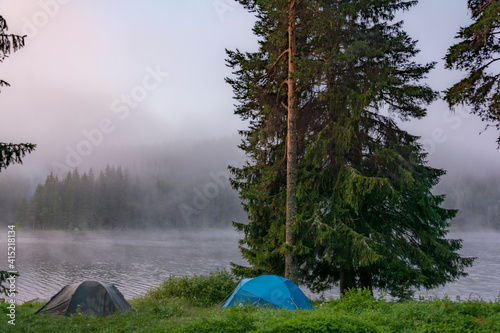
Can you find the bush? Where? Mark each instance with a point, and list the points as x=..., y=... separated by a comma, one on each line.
x=249, y=319
x=198, y=290
x=236, y=321
x=161, y=308
x=357, y=300
x=317, y=322
x=356, y=312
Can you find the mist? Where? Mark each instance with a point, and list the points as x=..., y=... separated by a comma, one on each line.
x=130, y=186
x=135, y=67
x=139, y=84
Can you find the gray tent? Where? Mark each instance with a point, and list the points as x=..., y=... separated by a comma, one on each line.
x=90, y=297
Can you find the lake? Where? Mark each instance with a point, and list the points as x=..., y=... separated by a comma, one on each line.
x=138, y=261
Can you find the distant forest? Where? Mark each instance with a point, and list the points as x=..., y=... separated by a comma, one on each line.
x=154, y=187
x=114, y=199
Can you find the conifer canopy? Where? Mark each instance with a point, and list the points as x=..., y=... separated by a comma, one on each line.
x=476, y=53
x=11, y=153
x=366, y=216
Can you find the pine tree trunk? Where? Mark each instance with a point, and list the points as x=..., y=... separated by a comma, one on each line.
x=291, y=270
x=347, y=279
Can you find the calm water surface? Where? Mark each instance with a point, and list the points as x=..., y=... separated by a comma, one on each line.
x=137, y=261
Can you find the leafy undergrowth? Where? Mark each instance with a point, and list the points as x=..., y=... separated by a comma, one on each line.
x=190, y=305
x=198, y=290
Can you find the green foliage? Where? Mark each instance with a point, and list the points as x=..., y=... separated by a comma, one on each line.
x=82, y=202
x=358, y=301
x=477, y=52
x=8, y=44
x=366, y=216
x=4, y=288
x=357, y=311
x=10, y=153
x=240, y=320
x=444, y=315
x=235, y=321
x=325, y=323
x=162, y=308
x=199, y=290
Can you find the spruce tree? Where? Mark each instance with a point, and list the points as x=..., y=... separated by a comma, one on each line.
x=477, y=53
x=365, y=214
x=10, y=153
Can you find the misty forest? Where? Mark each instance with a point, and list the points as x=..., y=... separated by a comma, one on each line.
x=324, y=183
x=152, y=194
x=156, y=194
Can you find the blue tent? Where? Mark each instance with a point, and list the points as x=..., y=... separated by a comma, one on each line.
x=268, y=290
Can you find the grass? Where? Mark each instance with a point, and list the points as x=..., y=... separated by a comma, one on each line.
x=193, y=305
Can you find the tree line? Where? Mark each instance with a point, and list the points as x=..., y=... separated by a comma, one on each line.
x=114, y=199
x=474, y=197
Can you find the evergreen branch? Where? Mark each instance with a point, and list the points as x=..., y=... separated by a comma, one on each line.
x=488, y=64
x=484, y=6
x=4, y=84
x=314, y=11
x=316, y=56
x=13, y=153
x=357, y=182
x=276, y=62
x=279, y=90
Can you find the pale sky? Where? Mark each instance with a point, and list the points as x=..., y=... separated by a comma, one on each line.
x=84, y=57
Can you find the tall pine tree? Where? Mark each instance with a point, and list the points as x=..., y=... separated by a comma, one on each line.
x=365, y=214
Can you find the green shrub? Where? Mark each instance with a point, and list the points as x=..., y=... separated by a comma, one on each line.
x=236, y=321
x=357, y=312
x=442, y=315
x=198, y=290
x=161, y=308
x=478, y=308
x=355, y=300
x=317, y=322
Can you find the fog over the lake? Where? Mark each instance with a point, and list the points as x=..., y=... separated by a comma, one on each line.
x=99, y=74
